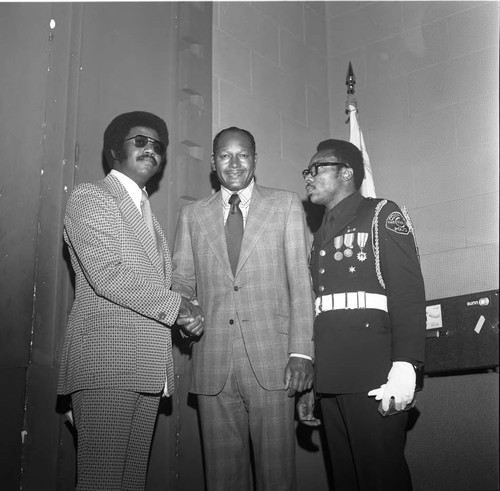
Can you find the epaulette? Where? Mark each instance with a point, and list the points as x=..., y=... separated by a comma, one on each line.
x=406, y=214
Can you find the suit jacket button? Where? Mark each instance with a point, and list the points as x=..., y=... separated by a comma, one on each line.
x=162, y=316
x=321, y=288
x=231, y=321
x=235, y=288
x=321, y=270
x=322, y=253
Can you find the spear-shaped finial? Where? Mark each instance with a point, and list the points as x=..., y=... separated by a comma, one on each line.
x=350, y=80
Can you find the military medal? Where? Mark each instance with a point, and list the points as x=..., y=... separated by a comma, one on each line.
x=337, y=242
x=362, y=238
x=349, y=242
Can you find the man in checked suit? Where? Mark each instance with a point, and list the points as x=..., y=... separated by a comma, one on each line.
x=369, y=330
x=116, y=359
x=256, y=350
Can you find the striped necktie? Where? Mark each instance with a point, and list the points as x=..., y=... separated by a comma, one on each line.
x=146, y=214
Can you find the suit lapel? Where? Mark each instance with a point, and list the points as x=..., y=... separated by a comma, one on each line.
x=165, y=262
x=131, y=214
x=261, y=209
x=211, y=221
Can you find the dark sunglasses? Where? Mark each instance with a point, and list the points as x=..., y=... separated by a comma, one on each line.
x=313, y=169
x=140, y=141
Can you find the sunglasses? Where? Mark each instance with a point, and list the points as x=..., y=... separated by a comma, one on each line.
x=140, y=141
x=313, y=169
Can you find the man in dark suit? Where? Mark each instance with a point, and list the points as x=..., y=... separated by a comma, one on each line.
x=116, y=359
x=369, y=330
x=258, y=309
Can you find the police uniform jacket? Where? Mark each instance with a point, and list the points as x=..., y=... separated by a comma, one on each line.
x=355, y=346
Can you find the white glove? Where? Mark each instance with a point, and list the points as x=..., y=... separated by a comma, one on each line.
x=400, y=384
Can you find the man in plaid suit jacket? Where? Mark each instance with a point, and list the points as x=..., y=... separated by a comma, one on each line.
x=258, y=321
x=116, y=359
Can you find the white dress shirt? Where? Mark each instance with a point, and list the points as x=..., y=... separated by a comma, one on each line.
x=134, y=191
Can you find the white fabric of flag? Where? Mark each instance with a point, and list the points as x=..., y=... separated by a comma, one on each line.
x=356, y=138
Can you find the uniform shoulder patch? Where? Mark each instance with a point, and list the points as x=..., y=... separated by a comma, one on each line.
x=396, y=222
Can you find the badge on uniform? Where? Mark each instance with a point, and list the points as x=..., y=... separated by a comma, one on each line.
x=362, y=238
x=337, y=242
x=397, y=223
x=349, y=242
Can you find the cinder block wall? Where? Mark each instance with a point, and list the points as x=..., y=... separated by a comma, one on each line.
x=427, y=87
x=271, y=77
x=427, y=90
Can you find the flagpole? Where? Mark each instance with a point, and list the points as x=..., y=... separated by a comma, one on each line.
x=355, y=134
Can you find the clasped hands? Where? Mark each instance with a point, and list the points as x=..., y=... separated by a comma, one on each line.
x=190, y=317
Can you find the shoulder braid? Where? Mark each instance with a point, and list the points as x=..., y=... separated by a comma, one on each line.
x=376, y=242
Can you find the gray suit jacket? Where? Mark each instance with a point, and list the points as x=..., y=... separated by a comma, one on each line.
x=117, y=334
x=270, y=298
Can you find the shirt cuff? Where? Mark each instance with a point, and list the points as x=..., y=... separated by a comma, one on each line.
x=298, y=355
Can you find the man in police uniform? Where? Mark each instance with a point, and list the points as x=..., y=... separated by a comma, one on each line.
x=370, y=323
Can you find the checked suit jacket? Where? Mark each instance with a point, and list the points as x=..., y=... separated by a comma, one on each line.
x=118, y=332
x=269, y=298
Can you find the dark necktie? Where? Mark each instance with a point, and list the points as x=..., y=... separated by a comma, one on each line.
x=326, y=227
x=234, y=231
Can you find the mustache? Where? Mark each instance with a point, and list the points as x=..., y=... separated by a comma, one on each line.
x=147, y=157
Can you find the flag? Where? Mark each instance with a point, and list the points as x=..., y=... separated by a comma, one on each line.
x=356, y=138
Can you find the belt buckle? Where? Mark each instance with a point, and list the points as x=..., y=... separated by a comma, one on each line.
x=339, y=301
x=361, y=300
x=352, y=302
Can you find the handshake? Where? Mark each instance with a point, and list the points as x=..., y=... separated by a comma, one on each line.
x=190, y=317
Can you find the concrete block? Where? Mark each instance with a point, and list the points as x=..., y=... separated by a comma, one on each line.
x=251, y=27
x=231, y=60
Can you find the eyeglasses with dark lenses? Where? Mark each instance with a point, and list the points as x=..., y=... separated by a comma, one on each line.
x=140, y=141
x=313, y=169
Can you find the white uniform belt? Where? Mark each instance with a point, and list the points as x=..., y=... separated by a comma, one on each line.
x=350, y=300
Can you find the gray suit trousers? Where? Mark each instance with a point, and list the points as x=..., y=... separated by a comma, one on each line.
x=115, y=429
x=243, y=410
